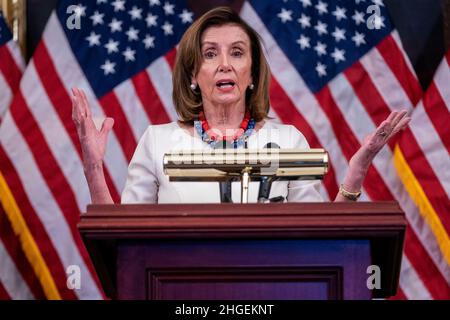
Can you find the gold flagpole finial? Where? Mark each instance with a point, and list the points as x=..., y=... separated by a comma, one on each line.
x=14, y=12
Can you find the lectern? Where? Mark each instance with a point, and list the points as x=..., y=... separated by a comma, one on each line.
x=246, y=251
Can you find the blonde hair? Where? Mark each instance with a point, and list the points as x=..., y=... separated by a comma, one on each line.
x=187, y=102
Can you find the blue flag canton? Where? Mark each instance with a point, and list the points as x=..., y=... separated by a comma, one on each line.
x=116, y=39
x=323, y=38
x=5, y=34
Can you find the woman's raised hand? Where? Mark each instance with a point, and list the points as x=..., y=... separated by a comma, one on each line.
x=374, y=142
x=93, y=141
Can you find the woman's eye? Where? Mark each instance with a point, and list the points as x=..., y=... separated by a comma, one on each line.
x=237, y=54
x=209, y=54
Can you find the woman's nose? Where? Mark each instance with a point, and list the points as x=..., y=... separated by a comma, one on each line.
x=224, y=65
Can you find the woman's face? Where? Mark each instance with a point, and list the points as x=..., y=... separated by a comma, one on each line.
x=225, y=72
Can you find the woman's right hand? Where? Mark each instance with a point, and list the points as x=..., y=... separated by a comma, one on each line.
x=93, y=141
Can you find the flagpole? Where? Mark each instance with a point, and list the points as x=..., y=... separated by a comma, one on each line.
x=15, y=14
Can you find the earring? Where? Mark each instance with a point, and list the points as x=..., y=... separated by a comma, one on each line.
x=193, y=86
x=252, y=86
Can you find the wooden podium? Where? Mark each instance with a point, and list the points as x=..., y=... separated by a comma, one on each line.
x=245, y=251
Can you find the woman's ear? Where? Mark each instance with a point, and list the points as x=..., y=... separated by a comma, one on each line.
x=193, y=80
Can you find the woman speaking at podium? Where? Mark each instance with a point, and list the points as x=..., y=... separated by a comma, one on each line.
x=221, y=94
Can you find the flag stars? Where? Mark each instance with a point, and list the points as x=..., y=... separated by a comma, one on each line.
x=304, y=21
x=119, y=5
x=321, y=28
x=321, y=48
x=186, y=16
x=151, y=20
x=101, y=1
x=339, y=13
x=358, y=38
x=285, y=15
x=322, y=7
x=115, y=25
x=108, y=67
x=338, y=55
x=338, y=34
x=112, y=46
x=378, y=2
x=168, y=8
x=132, y=34
x=321, y=69
x=168, y=28
x=149, y=41
x=135, y=13
x=305, y=3
x=94, y=39
x=97, y=18
x=129, y=54
x=358, y=17
x=304, y=42
x=154, y=3
x=80, y=11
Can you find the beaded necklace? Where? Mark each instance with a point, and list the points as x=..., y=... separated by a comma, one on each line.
x=216, y=141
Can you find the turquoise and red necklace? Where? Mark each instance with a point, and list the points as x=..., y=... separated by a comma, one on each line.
x=216, y=141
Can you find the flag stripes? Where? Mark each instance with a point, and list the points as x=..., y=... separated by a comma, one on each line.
x=20, y=224
x=3, y=293
x=436, y=284
x=10, y=68
x=14, y=285
x=40, y=231
x=149, y=99
x=395, y=58
x=287, y=113
x=14, y=249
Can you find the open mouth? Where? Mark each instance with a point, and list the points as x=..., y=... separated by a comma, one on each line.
x=224, y=84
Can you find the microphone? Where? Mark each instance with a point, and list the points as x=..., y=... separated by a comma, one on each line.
x=266, y=181
x=225, y=192
x=225, y=186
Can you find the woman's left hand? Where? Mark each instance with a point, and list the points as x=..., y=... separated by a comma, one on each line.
x=374, y=142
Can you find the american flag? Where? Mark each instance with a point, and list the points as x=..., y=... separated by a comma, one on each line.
x=122, y=56
x=422, y=161
x=337, y=72
x=12, y=258
x=11, y=66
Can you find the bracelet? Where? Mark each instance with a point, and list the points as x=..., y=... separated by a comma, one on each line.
x=353, y=196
